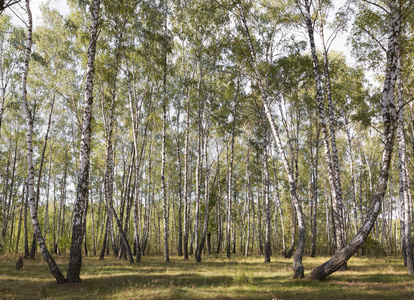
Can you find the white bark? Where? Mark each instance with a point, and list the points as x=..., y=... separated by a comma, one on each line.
x=75, y=262
x=297, y=259
x=389, y=120
x=54, y=269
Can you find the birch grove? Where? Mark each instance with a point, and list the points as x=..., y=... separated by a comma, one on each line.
x=221, y=128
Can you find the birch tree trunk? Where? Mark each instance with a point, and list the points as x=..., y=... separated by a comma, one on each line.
x=200, y=246
x=315, y=158
x=185, y=195
x=75, y=262
x=180, y=198
x=164, y=186
x=39, y=177
x=278, y=208
x=338, y=202
x=21, y=216
x=26, y=202
x=54, y=269
x=198, y=169
x=354, y=200
x=297, y=258
x=404, y=189
x=331, y=163
x=389, y=116
x=267, y=250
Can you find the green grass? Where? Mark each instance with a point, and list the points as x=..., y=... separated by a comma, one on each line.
x=215, y=277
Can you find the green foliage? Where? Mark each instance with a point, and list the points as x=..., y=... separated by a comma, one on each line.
x=373, y=248
x=241, y=278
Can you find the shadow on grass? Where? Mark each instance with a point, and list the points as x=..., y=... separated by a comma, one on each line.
x=213, y=278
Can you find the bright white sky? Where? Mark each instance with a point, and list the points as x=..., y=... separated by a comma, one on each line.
x=61, y=5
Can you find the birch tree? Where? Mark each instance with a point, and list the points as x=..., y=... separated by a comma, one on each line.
x=298, y=255
x=82, y=189
x=389, y=118
x=54, y=269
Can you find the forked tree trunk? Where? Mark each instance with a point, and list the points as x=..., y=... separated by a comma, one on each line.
x=389, y=119
x=335, y=163
x=332, y=164
x=75, y=261
x=54, y=269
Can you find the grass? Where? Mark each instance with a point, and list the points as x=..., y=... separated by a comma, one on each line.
x=215, y=277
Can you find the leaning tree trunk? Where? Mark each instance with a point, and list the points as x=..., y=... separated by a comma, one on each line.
x=39, y=177
x=54, y=269
x=389, y=116
x=75, y=262
x=297, y=258
x=332, y=166
x=335, y=163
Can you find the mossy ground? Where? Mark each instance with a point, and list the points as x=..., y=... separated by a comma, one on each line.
x=215, y=277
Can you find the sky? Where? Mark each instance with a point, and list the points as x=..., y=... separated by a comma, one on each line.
x=58, y=4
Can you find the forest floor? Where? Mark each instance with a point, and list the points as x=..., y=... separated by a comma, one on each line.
x=215, y=277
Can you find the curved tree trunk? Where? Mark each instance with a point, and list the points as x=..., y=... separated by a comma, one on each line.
x=297, y=258
x=390, y=121
x=331, y=159
x=39, y=177
x=54, y=269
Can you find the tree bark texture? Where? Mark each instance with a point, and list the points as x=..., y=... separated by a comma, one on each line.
x=389, y=116
x=297, y=258
x=54, y=269
x=75, y=262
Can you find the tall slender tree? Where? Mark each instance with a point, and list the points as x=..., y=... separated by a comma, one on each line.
x=75, y=262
